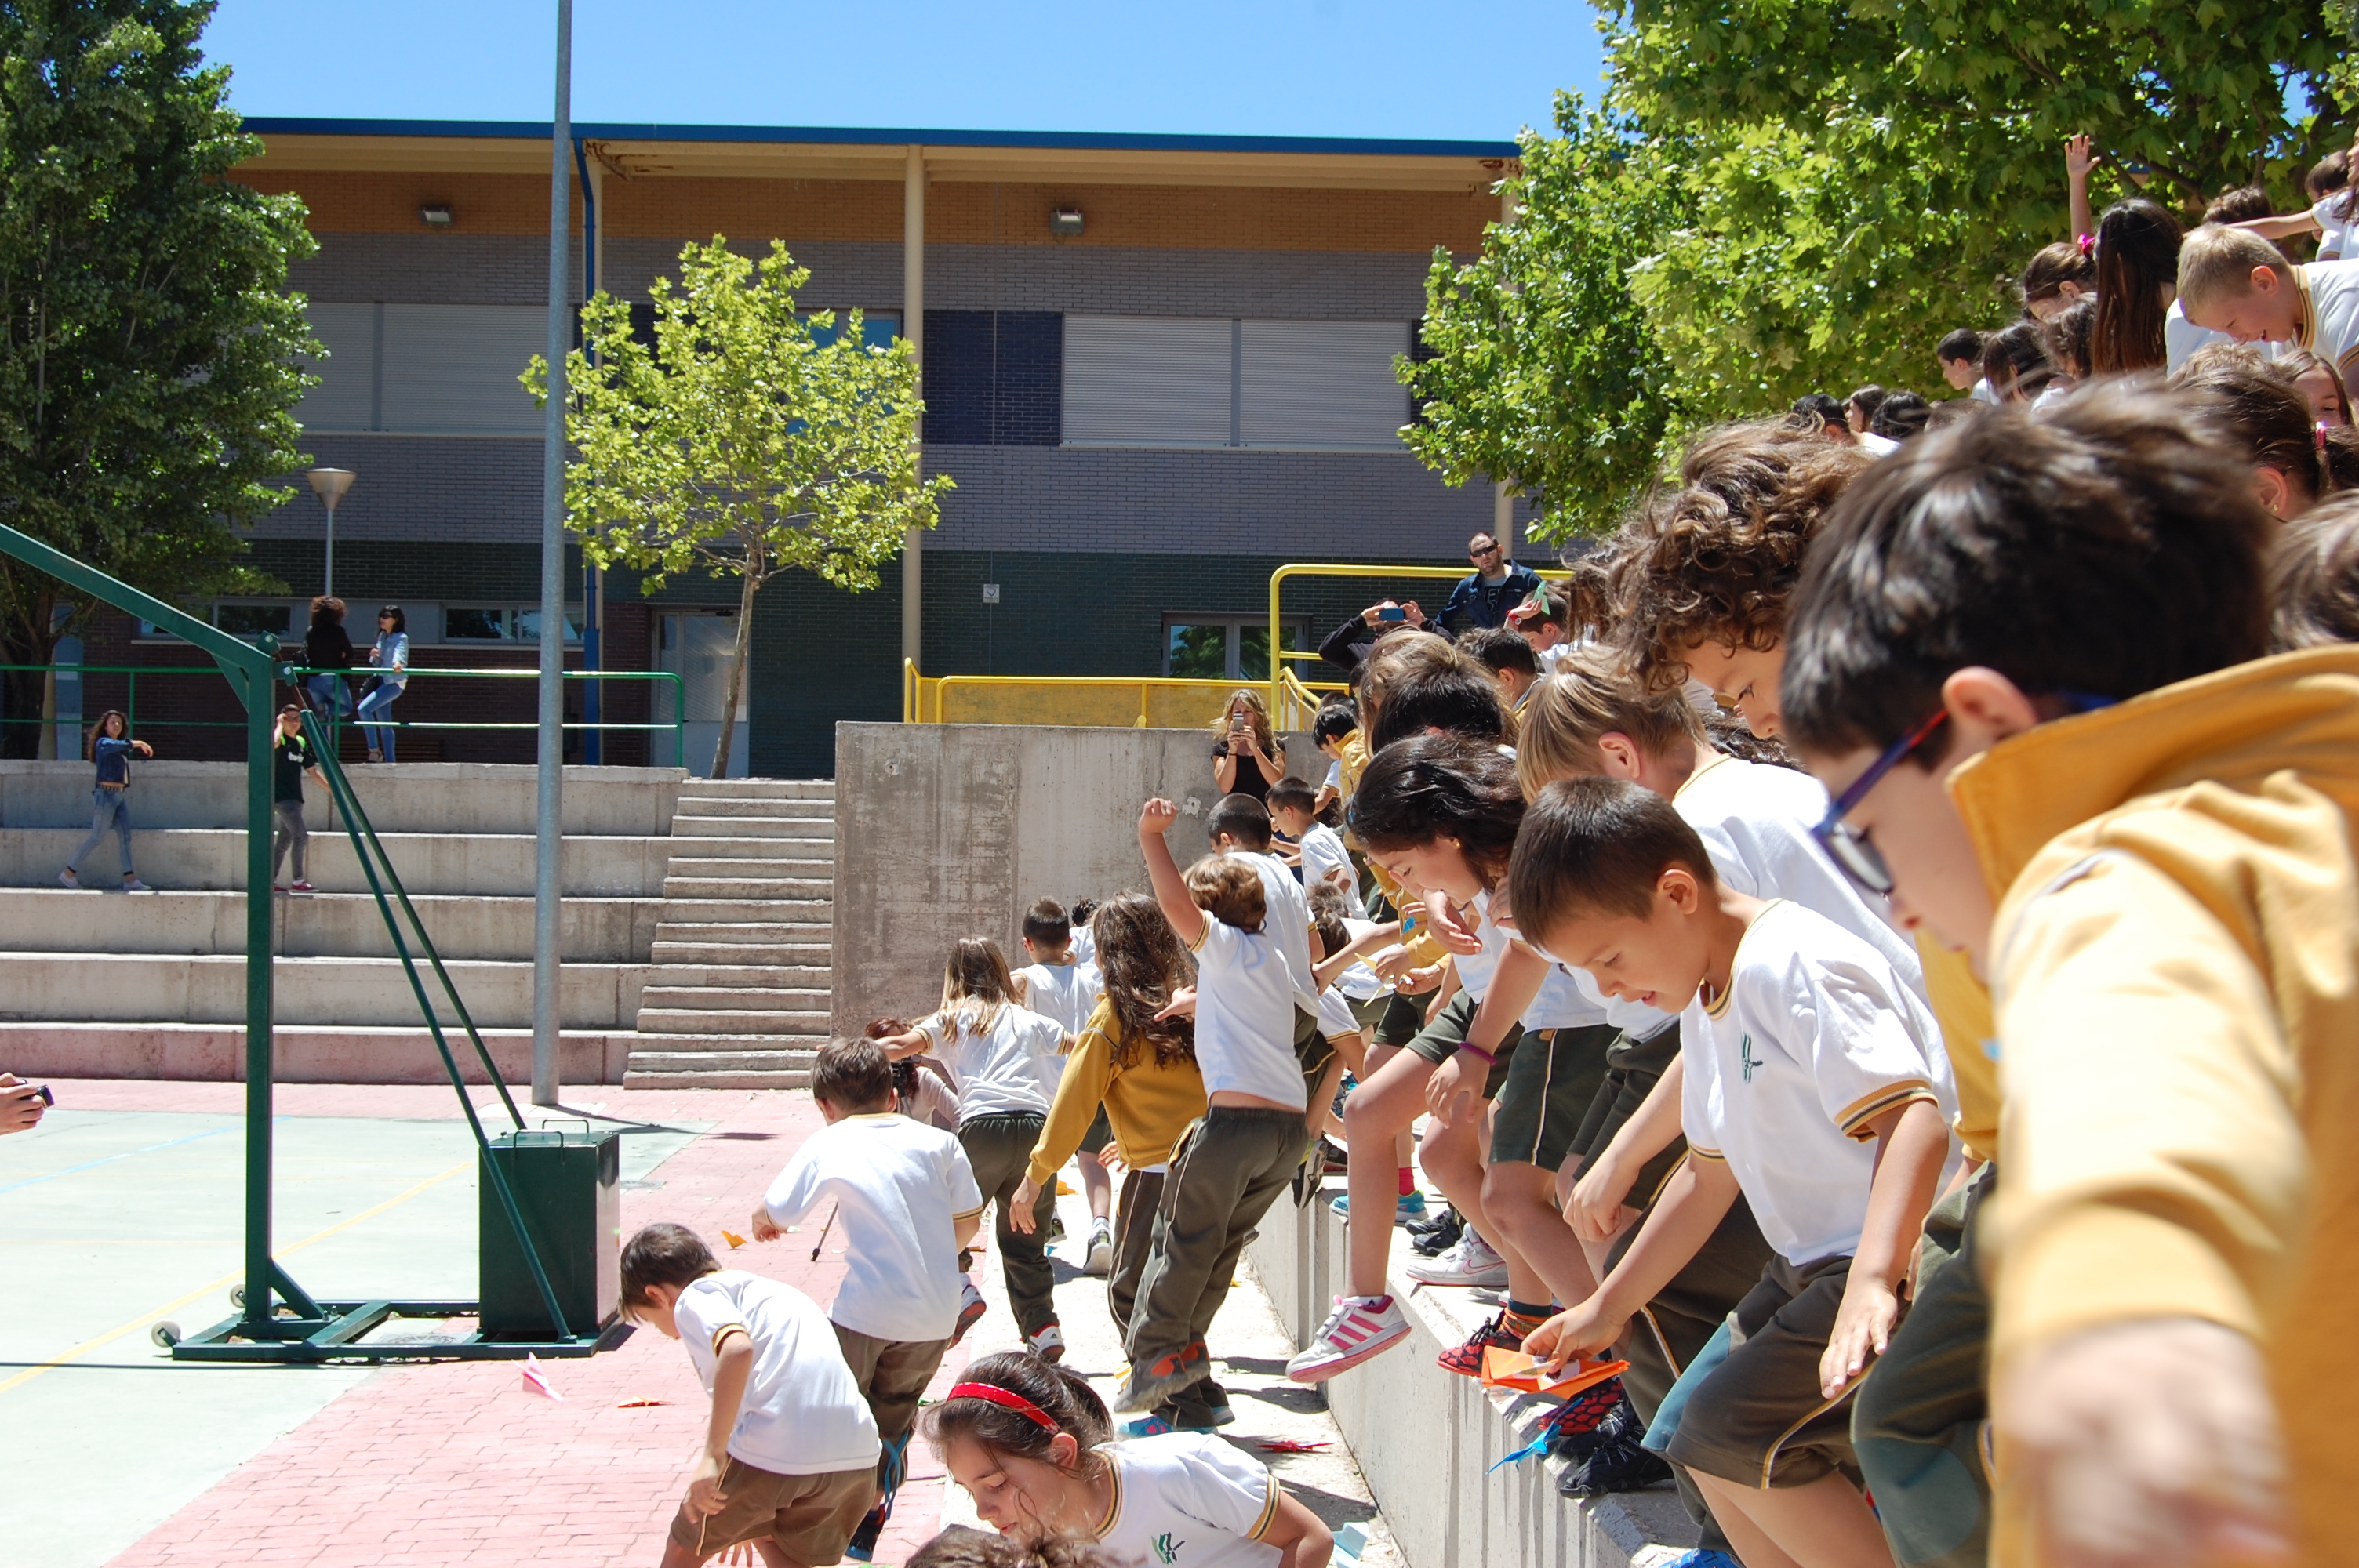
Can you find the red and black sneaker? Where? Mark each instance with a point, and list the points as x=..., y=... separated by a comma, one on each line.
x=1572, y=1428
x=1466, y=1360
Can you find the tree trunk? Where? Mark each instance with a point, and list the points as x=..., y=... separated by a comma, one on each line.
x=738, y=660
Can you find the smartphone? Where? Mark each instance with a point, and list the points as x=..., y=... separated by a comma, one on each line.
x=1392, y=613
x=43, y=1090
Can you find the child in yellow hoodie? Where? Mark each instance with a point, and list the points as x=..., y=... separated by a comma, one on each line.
x=2026, y=659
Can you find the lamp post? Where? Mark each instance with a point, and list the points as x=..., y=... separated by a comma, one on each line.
x=328, y=485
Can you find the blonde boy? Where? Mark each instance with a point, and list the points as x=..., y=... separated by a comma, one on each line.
x=2232, y=281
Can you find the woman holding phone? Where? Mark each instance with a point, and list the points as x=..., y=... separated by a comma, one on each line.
x=1247, y=756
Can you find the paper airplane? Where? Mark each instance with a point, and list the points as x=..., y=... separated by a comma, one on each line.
x=536, y=1379
x=1514, y=1369
x=735, y=1240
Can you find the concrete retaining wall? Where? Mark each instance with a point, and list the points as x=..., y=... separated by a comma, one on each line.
x=215, y=1052
x=413, y=797
x=362, y=992
x=487, y=865
x=592, y=930
x=1426, y=1439
x=949, y=830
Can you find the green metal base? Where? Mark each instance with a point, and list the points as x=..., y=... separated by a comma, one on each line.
x=335, y=1336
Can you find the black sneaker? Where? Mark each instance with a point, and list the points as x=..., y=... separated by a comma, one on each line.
x=1311, y=1173
x=862, y=1548
x=1339, y=1161
x=1444, y=1216
x=1617, y=1466
x=1593, y=1419
x=1435, y=1242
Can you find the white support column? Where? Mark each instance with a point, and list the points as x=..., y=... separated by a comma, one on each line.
x=1503, y=506
x=913, y=330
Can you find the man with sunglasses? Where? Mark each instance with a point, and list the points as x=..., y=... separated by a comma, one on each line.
x=2026, y=659
x=1495, y=586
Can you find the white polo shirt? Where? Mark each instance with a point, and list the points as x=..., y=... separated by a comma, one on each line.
x=1188, y=1498
x=1324, y=854
x=900, y=1186
x=2329, y=315
x=802, y=1413
x=1815, y=1037
x=1244, y=1016
x=1009, y=1069
x=1064, y=992
x=1286, y=918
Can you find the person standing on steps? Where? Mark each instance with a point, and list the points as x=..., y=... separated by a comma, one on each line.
x=110, y=798
x=390, y=659
x=290, y=759
x=328, y=649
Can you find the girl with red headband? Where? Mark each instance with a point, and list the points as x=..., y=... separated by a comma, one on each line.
x=1030, y=1443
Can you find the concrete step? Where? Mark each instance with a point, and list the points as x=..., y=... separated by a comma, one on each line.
x=758, y=789
x=709, y=1020
x=736, y=1070
x=802, y=963
x=112, y=988
x=817, y=871
x=736, y=973
x=816, y=916
x=301, y=1054
x=592, y=930
x=213, y=859
x=748, y=890
x=725, y=997
x=778, y=810
x=822, y=850
x=821, y=830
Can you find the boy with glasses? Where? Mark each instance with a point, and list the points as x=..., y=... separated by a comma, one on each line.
x=2026, y=659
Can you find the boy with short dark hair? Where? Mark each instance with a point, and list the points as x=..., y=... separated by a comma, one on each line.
x=906, y=1207
x=1961, y=353
x=1335, y=731
x=1509, y=656
x=1540, y=620
x=2027, y=658
x=790, y=1454
x=1803, y=1047
x=1061, y=986
x=1319, y=852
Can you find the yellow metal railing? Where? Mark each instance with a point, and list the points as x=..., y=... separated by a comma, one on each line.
x=1279, y=674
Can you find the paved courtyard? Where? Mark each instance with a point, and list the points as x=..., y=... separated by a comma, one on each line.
x=127, y=1208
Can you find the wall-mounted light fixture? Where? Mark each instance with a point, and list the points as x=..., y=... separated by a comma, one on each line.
x=1065, y=223
x=436, y=215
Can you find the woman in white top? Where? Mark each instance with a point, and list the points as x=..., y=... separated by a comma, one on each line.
x=390, y=659
x=1030, y=1442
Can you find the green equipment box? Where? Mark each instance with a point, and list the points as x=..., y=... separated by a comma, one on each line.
x=568, y=1188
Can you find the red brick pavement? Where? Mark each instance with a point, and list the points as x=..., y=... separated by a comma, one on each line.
x=456, y=1462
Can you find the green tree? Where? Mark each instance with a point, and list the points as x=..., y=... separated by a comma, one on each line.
x=751, y=439
x=1542, y=368
x=148, y=345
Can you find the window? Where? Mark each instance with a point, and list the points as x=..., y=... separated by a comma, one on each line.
x=502, y=623
x=427, y=369
x=1223, y=647
x=247, y=618
x=1151, y=381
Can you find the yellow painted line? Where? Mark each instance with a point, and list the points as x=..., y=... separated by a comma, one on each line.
x=150, y=1316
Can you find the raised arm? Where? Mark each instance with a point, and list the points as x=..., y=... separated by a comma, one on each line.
x=1328, y=969
x=2079, y=159
x=1155, y=819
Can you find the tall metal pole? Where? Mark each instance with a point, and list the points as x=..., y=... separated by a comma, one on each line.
x=548, y=841
x=913, y=332
x=328, y=568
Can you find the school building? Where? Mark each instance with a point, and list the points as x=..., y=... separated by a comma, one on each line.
x=1158, y=367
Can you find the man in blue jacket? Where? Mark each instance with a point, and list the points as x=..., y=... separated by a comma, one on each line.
x=1495, y=586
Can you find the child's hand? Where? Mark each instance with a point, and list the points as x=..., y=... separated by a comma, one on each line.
x=705, y=1496
x=2078, y=157
x=1575, y=1334
x=1157, y=817
x=2151, y=1442
x=1110, y=1162
x=1182, y=1004
x=1453, y=936
x=1863, y=1331
x=1596, y=1210
x=1452, y=1082
x=1019, y=1207
x=1415, y=982
x=764, y=1227
x=740, y=1556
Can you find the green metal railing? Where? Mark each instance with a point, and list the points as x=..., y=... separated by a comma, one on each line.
x=293, y=673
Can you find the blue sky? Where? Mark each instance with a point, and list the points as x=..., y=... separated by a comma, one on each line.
x=1310, y=67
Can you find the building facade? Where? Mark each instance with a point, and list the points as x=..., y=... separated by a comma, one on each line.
x=1156, y=367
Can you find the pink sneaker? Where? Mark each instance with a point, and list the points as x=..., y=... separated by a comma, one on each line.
x=1359, y=1327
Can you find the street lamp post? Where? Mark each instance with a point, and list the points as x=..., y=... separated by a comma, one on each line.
x=330, y=485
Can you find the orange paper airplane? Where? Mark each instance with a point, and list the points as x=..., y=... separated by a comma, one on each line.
x=1514, y=1369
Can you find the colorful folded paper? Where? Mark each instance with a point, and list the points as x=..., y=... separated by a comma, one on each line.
x=1503, y=1368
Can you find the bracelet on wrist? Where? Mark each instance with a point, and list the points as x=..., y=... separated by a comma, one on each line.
x=1478, y=1051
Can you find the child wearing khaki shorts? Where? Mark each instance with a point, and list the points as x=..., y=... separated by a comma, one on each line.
x=791, y=1452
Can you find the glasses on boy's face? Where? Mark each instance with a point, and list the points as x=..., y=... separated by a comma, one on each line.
x=1859, y=859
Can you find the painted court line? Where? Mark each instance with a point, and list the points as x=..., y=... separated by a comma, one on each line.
x=109, y=1160
x=134, y=1327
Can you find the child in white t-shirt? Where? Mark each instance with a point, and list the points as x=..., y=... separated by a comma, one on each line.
x=905, y=1204
x=1243, y=1155
x=1321, y=854
x=1005, y=1057
x=1059, y=985
x=1030, y=1442
x=2234, y=281
x=791, y=1450
x=1816, y=1090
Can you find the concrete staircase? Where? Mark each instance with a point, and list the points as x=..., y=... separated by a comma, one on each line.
x=737, y=996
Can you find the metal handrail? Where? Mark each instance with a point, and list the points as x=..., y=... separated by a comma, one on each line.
x=1328, y=568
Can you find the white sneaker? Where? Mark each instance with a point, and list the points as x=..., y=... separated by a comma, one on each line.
x=1359, y=1327
x=1048, y=1344
x=1471, y=1260
x=971, y=1308
x=1101, y=1256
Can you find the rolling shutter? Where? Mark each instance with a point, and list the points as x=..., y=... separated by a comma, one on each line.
x=1147, y=380
x=345, y=399
x=453, y=368
x=1322, y=384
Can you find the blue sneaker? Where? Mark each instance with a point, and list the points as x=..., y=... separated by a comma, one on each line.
x=1702, y=1557
x=1408, y=1210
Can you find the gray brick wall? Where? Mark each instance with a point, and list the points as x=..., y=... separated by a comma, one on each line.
x=432, y=269
x=484, y=489
x=1103, y=279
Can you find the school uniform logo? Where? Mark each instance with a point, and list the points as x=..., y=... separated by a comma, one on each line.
x=1745, y=1058
x=1166, y=1549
